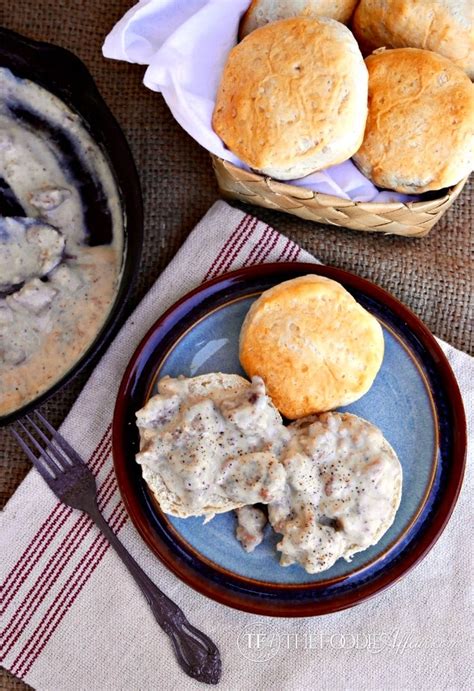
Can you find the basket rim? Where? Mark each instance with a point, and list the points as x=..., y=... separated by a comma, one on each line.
x=304, y=194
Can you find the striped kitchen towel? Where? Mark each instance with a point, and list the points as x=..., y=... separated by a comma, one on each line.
x=72, y=618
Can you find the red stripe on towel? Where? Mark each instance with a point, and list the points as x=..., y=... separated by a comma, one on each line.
x=45, y=534
x=214, y=269
x=54, y=568
x=66, y=596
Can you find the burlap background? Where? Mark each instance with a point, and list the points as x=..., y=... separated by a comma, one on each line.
x=433, y=275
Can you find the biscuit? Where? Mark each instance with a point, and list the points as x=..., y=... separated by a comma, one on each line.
x=420, y=129
x=313, y=345
x=344, y=484
x=263, y=12
x=445, y=27
x=184, y=455
x=293, y=97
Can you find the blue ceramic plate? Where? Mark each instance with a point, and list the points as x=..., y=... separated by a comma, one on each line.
x=414, y=401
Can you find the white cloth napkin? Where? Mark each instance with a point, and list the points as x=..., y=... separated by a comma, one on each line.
x=73, y=619
x=185, y=44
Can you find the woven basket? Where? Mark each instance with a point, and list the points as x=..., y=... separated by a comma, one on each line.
x=412, y=219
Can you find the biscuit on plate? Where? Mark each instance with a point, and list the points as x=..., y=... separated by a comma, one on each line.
x=263, y=12
x=344, y=484
x=420, y=128
x=313, y=345
x=293, y=97
x=443, y=26
x=189, y=461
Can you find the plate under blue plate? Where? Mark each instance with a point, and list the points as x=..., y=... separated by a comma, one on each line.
x=399, y=403
x=414, y=400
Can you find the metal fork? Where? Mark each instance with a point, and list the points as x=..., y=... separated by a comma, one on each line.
x=73, y=483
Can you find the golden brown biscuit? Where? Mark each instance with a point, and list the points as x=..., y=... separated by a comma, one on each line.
x=420, y=129
x=314, y=346
x=443, y=26
x=293, y=97
x=263, y=12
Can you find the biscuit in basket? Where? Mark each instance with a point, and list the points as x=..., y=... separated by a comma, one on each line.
x=420, y=128
x=313, y=345
x=293, y=97
x=443, y=26
x=263, y=12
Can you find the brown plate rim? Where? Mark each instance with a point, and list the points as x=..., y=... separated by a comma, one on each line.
x=295, y=608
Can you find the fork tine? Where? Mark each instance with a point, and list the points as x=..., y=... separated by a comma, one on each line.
x=61, y=459
x=59, y=439
x=45, y=474
x=49, y=462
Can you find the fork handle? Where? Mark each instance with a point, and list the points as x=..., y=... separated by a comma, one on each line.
x=197, y=655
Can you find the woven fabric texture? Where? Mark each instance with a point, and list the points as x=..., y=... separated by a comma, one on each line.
x=67, y=596
x=433, y=275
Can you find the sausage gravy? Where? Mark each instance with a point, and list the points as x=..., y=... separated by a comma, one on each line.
x=61, y=240
x=216, y=442
x=211, y=444
x=251, y=522
x=343, y=489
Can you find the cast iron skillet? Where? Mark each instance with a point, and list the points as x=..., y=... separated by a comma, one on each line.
x=64, y=75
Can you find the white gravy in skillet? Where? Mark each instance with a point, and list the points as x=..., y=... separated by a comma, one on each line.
x=59, y=271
